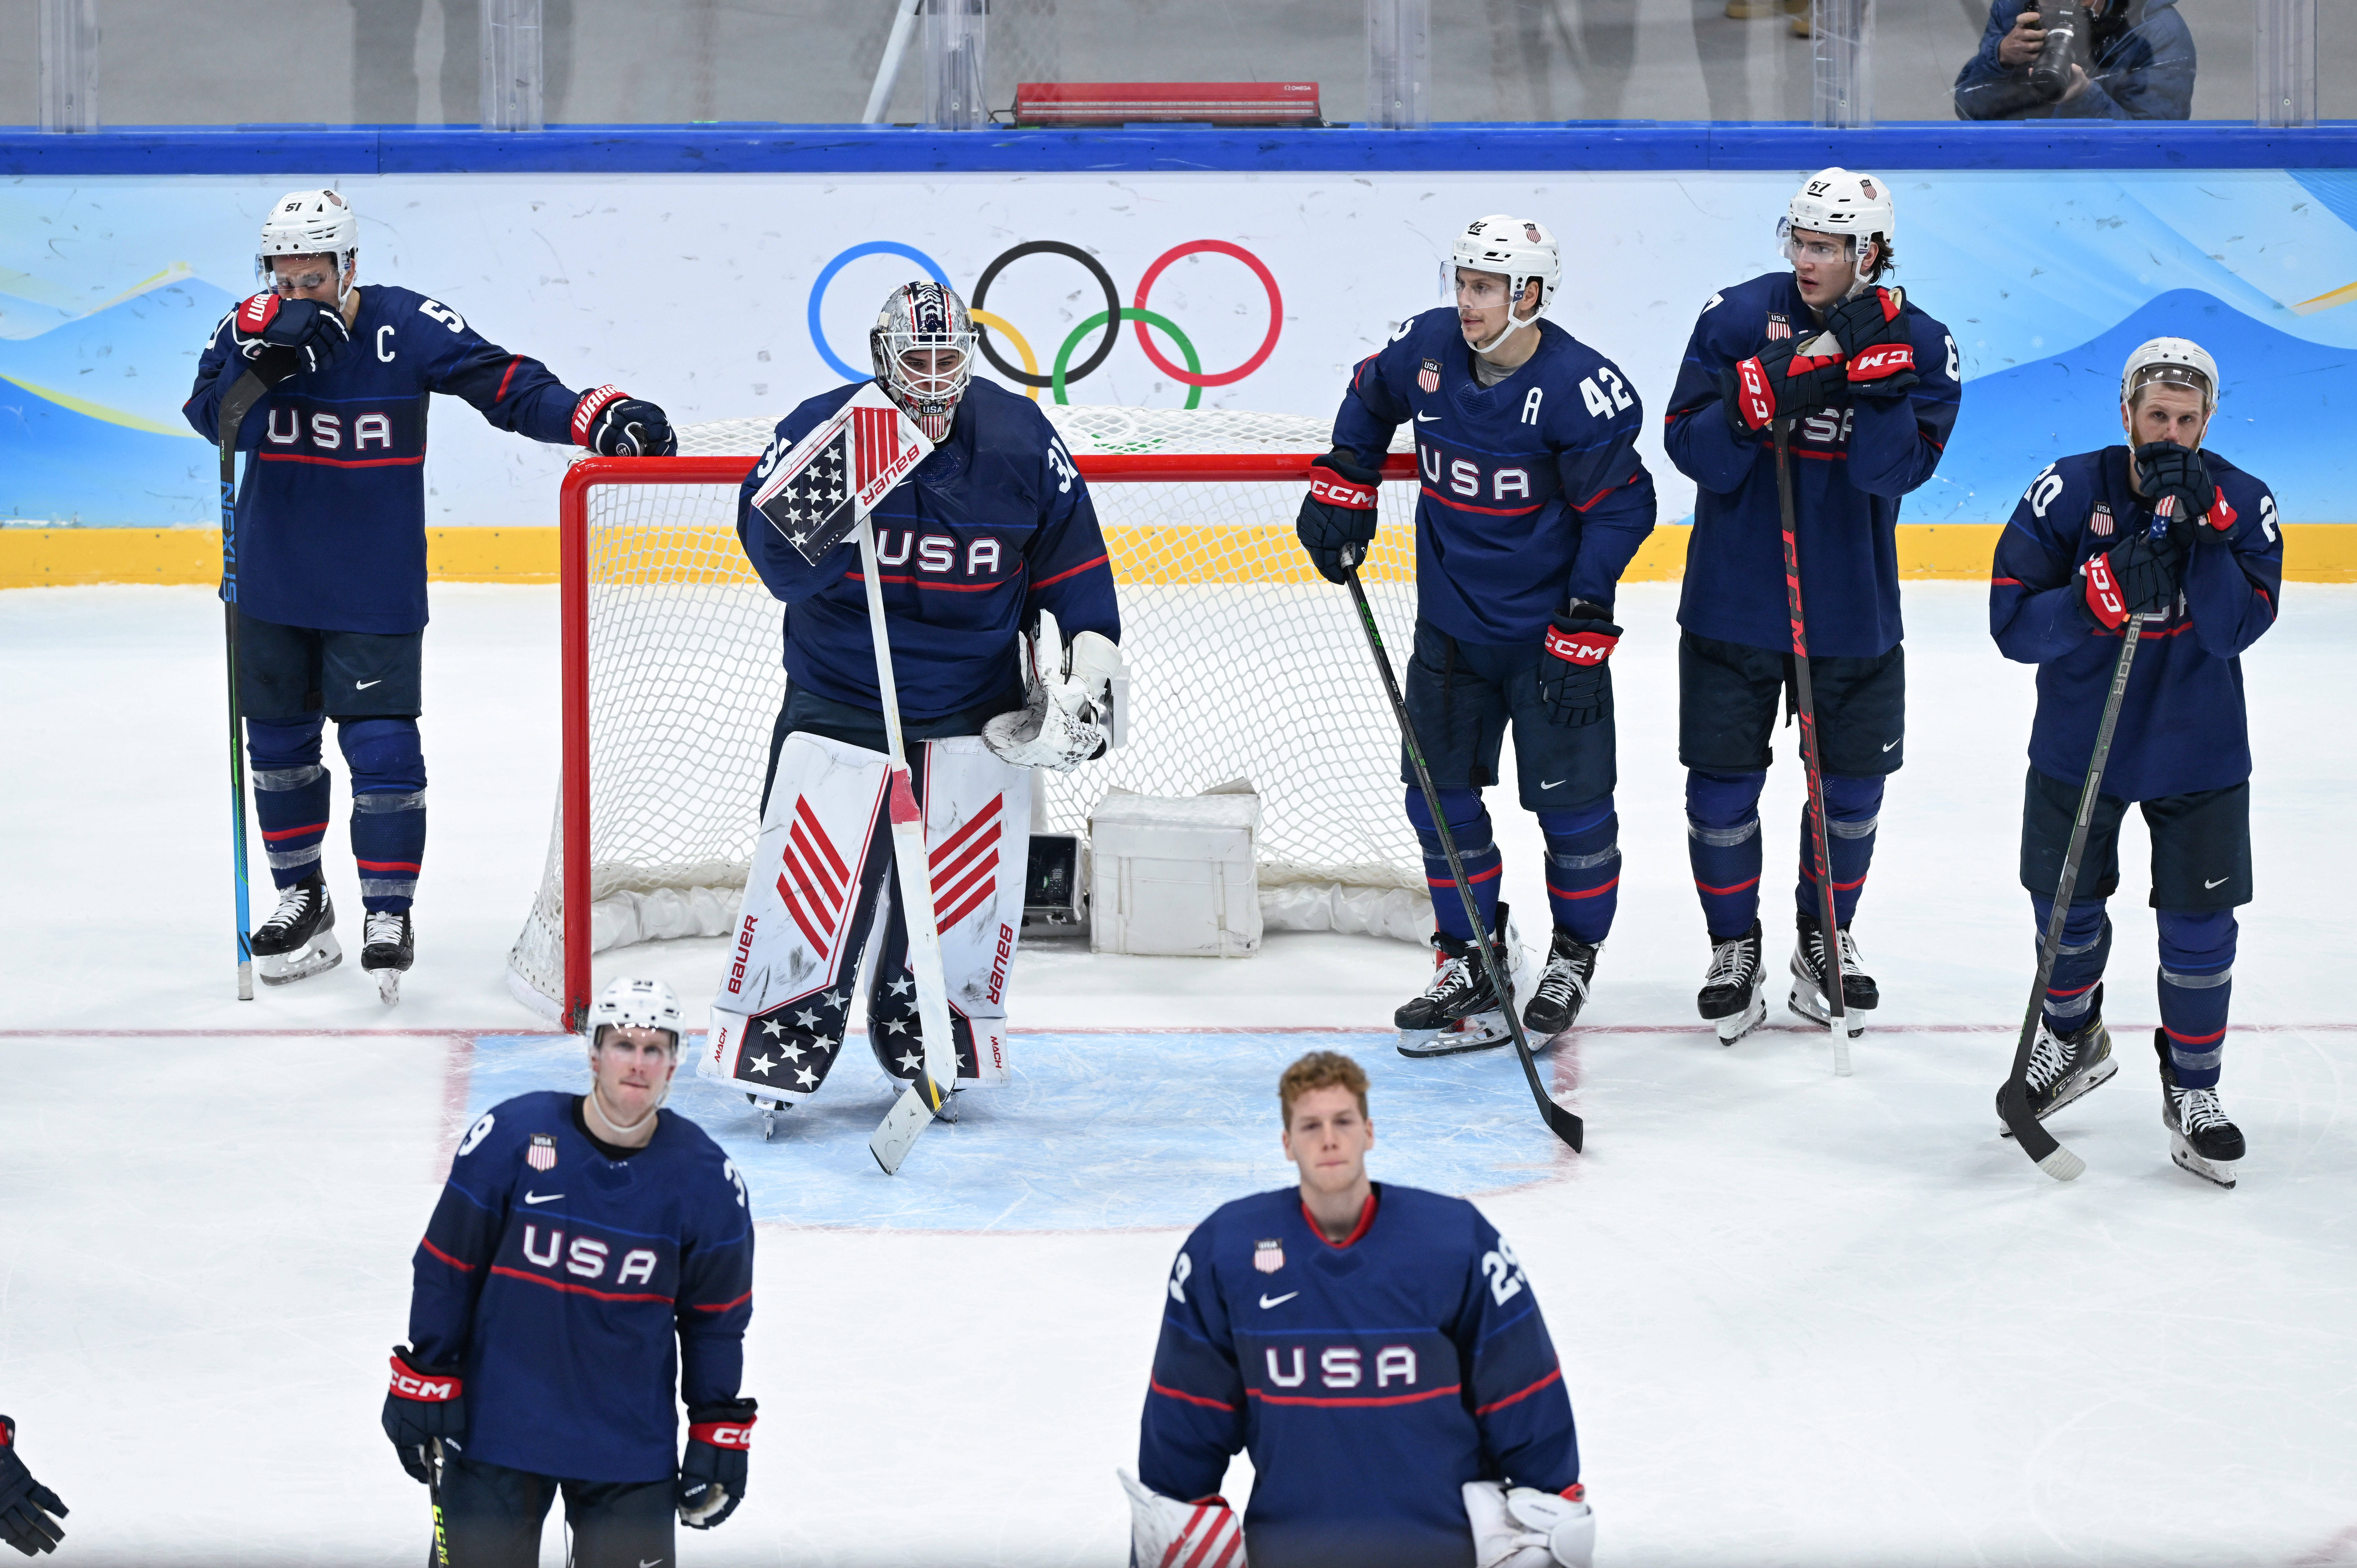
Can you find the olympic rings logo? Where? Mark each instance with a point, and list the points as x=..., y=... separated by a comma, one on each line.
x=1061, y=373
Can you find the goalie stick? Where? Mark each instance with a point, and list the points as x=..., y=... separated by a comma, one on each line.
x=1562, y=1123
x=2012, y=1095
x=236, y=404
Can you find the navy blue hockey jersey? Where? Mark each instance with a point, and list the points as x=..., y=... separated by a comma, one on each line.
x=2182, y=726
x=331, y=514
x=575, y=1290
x=1850, y=468
x=1532, y=491
x=994, y=523
x=1370, y=1381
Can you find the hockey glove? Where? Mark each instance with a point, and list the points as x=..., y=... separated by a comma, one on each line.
x=1166, y=1531
x=282, y=337
x=2138, y=577
x=26, y=1506
x=1571, y=682
x=421, y=1406
x=1071, y=703
x=1338, y=515
x=1872, y=331
x=613, y=426
x=1526, y=1527
x=1777, y=382
x=712, y=1475
x=2165, y=469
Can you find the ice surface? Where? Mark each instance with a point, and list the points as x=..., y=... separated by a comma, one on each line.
x=1803, y=1320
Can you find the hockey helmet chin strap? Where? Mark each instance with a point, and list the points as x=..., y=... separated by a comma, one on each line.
x=1514, y=322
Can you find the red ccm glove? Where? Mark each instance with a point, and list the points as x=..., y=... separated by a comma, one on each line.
x=1871, y=327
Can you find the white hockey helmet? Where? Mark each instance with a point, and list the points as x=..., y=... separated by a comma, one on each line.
x=917, y=316
x=1836, y=201
x=2170, y=361
x=635, y=1005
x=1521, y=249
x=310, y=223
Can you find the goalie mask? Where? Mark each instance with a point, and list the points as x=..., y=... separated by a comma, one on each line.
x=1520, y=249
x=310, y=223
x=922, y=346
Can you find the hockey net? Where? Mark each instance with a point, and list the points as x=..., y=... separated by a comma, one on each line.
x=1244, y=665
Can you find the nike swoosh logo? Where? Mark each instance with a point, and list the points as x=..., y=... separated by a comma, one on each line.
x=1268, y=1301
x=1427, y=419
x=2220, y=883
x=1887, y=746
x=1552, y=786
x=542, y=1197
x=649, y=1562
x=364, y=685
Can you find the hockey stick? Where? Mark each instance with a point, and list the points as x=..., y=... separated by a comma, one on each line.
x=1804, y=699
x=439, y=1557
x=235, y=404
x=928, y=1096
x=1562, y=1123
x=2012, y=1095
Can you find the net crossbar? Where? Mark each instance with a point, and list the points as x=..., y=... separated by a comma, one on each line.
x=1244, y=665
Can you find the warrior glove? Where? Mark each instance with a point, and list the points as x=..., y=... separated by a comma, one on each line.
x=1523, y=1527
x=613, y=426
x=711, y=1474
x=419, y=1408
x=2165, y=469
x=281, y=336
x=1571, y=682
x=1779, y=382
x=1166, y=1531
x=29, y=1511
x=1074, y=702
x=1871, y=328
x=2138, y=577
x=1338, y=516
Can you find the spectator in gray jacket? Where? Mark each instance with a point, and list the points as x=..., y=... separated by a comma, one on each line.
x=2137, y=65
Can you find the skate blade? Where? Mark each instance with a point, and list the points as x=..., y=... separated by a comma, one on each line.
x=2095, y=1078
x=1807, y=1006
x=1735, y=1025
x=388, y=987
x=2220, y=1172
x=317, y=956
x=1481, y=1032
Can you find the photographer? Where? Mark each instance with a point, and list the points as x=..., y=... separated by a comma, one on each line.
x=2126, y=59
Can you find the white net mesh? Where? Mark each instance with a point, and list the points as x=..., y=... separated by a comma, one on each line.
x=1244, y=664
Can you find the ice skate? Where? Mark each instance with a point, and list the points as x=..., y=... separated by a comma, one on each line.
x=1460, y=1011
x=1562, y=991
x=386, y=953
x=1735, y=989
x=2064, y=1066
x=298, y=940
x=2201, y=1139
x=1808, y=999
x=770, y=1110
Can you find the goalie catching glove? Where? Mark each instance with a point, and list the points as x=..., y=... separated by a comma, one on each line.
x=1338, y=516
x=1072, y=700
x=1167, y=1533
x=1525, y=1527
x=712, y=1475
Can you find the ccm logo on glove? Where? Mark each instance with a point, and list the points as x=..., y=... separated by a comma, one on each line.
x=1583, y=647
x=1326, y=485
x=1758, y=403
x=413, y=1385
x=1883, y=362
x=2103, y=599
x=722, y=1433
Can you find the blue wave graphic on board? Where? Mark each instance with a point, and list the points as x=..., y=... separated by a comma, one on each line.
x=2277, y=394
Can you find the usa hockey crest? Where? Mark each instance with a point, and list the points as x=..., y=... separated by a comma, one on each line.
x=1428, y=378
x=542, y=1156
x=1778, y=326
x=2100, y=522
x=1268, y=1256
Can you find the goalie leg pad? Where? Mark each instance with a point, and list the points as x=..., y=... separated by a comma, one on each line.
x=812, y=899
x=977, y=835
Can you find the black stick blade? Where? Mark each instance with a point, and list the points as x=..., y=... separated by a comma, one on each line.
x=1566, y=1126
x=2041, y=1145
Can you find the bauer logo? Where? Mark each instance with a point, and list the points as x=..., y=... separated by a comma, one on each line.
x=744, y=955
x=1268, y=1256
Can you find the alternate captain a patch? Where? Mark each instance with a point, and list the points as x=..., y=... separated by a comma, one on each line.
x=542, y=1156
x=1268, y=1256
x=2100, y=523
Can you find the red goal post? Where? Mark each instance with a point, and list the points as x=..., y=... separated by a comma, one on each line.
x=1201, y=543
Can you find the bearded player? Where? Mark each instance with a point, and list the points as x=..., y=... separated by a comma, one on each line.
x=330, y=536
x=588, y=1267
x=1873, y=413
x=2076, y=560
x=1534, y=500
x=991, y=559
x=1379, y=1350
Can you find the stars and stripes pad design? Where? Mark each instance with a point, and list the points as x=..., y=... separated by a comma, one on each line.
x=965, y=866
x=814, y=883
x=834, y=476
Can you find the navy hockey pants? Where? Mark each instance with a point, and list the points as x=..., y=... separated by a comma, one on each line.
x=492, y=1515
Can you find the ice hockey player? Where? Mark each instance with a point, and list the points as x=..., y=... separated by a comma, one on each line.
x=990, y=541
x=1534, y=500
x=29, y=1511
x=2075, y=561
x=1379, y=1350
x=1873, y=409
x=590, y=1252
x=330, y=587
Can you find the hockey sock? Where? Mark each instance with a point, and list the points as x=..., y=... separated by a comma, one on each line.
x=388, y=768
x=1723, y=845
x=290, y=796
x=2197, y=977
x=1853, y=808
x=1583, y=868
x=2077, y=962
x=1469, y=826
